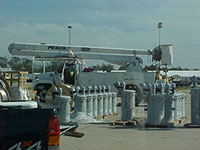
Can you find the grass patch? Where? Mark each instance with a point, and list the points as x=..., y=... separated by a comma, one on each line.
x=182, y=88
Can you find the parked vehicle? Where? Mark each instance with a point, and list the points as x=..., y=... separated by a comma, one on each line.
x=23, y=127
x=72, y=71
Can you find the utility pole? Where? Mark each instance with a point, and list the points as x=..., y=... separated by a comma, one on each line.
x=159, y=28
x=69, y=27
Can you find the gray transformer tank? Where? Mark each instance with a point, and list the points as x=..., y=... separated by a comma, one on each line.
x=195, y=106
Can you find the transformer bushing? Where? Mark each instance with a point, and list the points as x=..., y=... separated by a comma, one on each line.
x=89, y=89
x=95, y=102
x=76, y=102
x=145, y=91
x=100, y=103
x=173, y=86
x=59, y=90
x=162, y=88
x=110, y=112
x=80, y=105
x=194, y=82
x=109, y=101
x=114, y=103
x=83, y=89
x=167, y=88
x=105, y=101
x=128, y=105
x=64, y=108
x=89, y=102
x=123, y=85
x=153, y=88
x=150, y=89
x=157, y=87
x=89, y=105
x=143, y=85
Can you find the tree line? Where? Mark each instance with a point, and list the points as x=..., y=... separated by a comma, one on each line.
x=154, y=67
x=25, y=64
x=16, y=63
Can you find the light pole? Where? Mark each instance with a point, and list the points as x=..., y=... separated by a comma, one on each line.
x=69, y=27
x=159, y=27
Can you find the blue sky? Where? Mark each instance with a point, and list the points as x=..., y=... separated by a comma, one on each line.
x=107, y=23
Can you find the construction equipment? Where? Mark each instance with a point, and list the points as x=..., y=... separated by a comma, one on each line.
x=72, y=57
x=161, y=53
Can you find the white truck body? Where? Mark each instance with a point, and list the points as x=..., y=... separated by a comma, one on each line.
x=134, y=75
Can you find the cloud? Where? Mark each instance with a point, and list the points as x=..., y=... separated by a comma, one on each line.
x=109, y=23
x=23, y=32
x=104, y=36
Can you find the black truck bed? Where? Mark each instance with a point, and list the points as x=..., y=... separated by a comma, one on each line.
x=22, y=129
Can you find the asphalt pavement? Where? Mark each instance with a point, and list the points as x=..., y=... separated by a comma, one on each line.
x=104, y=136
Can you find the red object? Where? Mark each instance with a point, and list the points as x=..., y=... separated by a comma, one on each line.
x=27, y=143
x=54, y=131
x=88, y=69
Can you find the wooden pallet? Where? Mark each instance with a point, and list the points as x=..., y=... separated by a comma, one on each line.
x=135, y=122
x=170, y=124
x=139, y=120
x=114, y=115
x=106, y=116
x=180, y=121
x=74, y=134
x=98, y=117
x=124, y=123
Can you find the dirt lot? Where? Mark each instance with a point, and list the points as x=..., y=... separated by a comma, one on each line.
x=103, y=136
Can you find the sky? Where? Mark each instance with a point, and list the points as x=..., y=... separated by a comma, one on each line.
x=105, y=23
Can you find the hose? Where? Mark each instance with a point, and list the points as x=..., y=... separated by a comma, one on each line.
x=4, y=95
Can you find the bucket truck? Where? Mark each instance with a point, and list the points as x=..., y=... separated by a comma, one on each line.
x=73, y=57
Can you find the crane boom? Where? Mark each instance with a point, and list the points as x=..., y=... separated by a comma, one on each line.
x=15, y=48
x=116, y=55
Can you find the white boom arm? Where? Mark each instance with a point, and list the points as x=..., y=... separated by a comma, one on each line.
x=113, y=55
